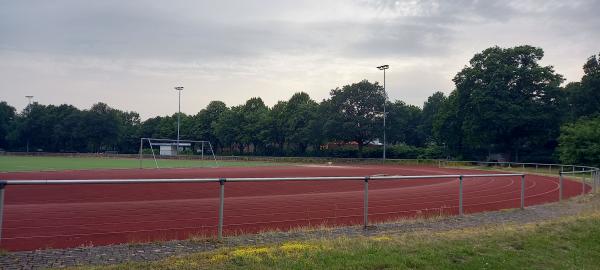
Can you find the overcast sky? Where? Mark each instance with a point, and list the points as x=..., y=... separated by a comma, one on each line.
x=130, y=54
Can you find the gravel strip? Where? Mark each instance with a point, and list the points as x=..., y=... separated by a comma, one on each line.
x=103, y=255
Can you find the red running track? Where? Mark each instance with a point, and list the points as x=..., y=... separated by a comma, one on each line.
x=38, y=217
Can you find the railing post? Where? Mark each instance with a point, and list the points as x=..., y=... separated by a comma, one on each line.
x=560, y=186
x=592, y=181
x=2, y=186
x=550, y=169
x=221, y=206
x=460, y=195
x=582, y=183
x=366, y=203
x=522, y=192
x=596, y=181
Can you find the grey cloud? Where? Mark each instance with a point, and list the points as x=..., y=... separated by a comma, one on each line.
x=269, y=45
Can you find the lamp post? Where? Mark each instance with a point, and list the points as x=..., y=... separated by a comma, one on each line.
x=29, y=97
x=384, y=67
x=178, y=89
x=29, y=109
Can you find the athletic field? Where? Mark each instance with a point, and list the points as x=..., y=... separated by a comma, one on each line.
x=61, y=216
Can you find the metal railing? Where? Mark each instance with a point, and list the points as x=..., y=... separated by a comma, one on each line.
x=538, y=167
x=222, y=181
x=563, y=169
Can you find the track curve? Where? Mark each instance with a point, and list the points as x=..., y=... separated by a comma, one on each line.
x=38, y=217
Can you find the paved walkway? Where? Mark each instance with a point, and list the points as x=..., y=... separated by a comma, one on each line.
x=104, y=255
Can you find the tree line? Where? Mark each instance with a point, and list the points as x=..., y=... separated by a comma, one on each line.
x=504, y=104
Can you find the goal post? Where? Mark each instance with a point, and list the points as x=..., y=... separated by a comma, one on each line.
x=175, y=149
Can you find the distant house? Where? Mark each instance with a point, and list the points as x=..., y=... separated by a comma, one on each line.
x=170, y=148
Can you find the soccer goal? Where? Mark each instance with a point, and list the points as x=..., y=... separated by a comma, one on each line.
x=163, y=149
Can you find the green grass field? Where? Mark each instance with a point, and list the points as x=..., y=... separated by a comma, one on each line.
x=565, y=243
x=32, y=163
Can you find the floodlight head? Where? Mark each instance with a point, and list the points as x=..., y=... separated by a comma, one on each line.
x=384, y=67
x=179, y=88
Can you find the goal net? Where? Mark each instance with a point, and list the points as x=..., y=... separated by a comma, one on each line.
x=170, y=153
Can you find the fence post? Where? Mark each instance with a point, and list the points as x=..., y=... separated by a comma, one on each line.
x=2, y=186
x=460, y=195
x=550, y=169
x=366, y=203
x=522, y=192
x=560, y=186
x=596, y=181
x=592, y=181
x=582, y=183
x=221, y=206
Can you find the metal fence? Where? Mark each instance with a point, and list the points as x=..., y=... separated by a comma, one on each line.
x=222, y=181
x=540, y=168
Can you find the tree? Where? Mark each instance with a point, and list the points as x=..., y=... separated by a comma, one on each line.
x=7, y=118
x=403, y=124
x=507, y=101
x=32, y=127
x=254, y=123
x=579, y=142
x=151, y=127
x=65, y=121
x=100, y=127
x=129, y=124
x=228, y=127
x=431, y=108
x=301, y=112
x=276, y=127
x=584, y=96
x=205, y=121
x=355, y=113
x=447, y=125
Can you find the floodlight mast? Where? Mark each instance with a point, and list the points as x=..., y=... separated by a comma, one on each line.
x=29, y=108
x=29, y=98
x=178, y=89
x=384, y=67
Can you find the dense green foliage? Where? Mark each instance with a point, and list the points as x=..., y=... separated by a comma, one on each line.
x=505, y=103
x=584, y=96
x=580, y=142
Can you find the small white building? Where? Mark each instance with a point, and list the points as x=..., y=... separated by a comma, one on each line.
x=170, y=148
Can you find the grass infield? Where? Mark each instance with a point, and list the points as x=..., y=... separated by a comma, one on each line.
x=565, y=243
x=33, y=163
